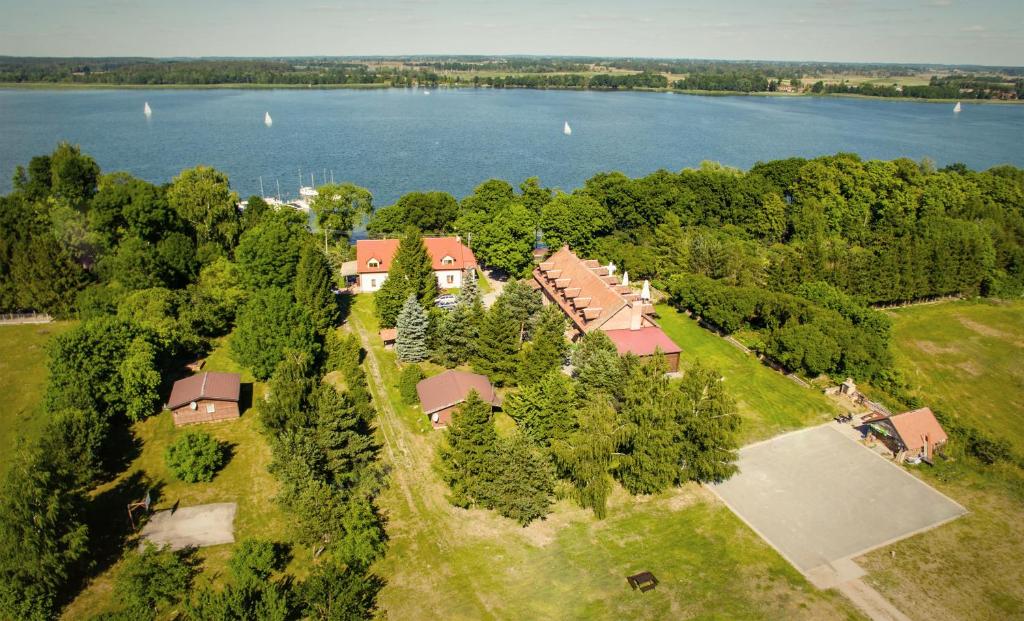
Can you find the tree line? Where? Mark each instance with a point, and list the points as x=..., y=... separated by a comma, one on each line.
x=155, y=274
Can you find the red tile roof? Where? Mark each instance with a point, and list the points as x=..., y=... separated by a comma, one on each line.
x=383, y=250
x=594, y=298
x=209, y=385
x=916, y=426
x=388, y=334
x=642, y=342
x=451, y=388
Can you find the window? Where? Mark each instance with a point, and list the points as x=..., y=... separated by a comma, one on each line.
x=447, y=261
x=451, y=279
x=373, y=283
x=210, y=408
x=373, y=263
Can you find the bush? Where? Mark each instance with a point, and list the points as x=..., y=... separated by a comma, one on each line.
x=411, y=375
x=195, y=456
x=152, y=579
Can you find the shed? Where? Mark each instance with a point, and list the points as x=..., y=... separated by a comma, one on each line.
x=645, y=342
x=205, y=398
x=441, y=394
x=916, y=433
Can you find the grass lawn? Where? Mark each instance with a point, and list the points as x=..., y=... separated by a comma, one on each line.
x=444, y=562
x=965, y=358
x=768, y=402
x=244, y=480
x=22, y=381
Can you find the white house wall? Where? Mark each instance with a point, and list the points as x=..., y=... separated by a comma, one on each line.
x=368, y=283
x=443, y=276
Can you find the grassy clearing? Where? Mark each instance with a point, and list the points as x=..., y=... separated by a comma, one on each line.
x=22, y=380
x=244, y=480
x=965, y=358
x=768, y=402
x=444, y=562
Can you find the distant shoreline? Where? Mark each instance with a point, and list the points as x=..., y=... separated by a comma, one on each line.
x=65, y=86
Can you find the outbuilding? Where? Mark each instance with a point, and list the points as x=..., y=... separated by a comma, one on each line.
x=441, y=394
x=205, y=398
x=916, y=433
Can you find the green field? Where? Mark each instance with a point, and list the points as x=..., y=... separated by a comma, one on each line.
x=769, y=403
x=965, y=358
x=450, y=563
x=22, y=380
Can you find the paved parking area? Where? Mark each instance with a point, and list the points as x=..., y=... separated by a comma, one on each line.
x=202, y=525
x=820, y=498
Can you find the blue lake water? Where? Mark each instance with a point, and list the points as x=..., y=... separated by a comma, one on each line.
x=396, y=141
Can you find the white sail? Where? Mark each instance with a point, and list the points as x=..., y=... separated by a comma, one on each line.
x=267, y=120
x=426, y=92
x=567, y=130
x=956, y=108
x=147, y=110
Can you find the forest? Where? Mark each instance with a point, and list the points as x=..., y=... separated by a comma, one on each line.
x=155, y=275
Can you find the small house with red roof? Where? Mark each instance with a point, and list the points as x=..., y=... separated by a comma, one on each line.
x=441, y=394
x=916, y=433
x=593, y=298
x=205, y=398
x=450, y=257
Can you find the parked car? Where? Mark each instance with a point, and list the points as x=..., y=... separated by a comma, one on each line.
x=446, y=301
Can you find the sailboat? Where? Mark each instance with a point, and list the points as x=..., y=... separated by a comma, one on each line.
x=956, y=108
x=426, y=92
x=267, y=120
x=147, y=110
x=567, y=130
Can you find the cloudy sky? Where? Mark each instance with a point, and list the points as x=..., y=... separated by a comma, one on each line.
x=926, y=31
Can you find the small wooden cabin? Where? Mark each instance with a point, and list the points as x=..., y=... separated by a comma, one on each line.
x=441, y=394
x=205, y=398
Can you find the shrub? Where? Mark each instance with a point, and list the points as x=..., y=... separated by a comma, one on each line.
x=411, y=375
x=152, y=579
x=195, y=456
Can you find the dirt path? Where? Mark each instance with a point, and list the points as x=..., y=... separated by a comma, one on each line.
x=871, y=601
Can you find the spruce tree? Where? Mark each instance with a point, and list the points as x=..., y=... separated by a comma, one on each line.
x=708, y=423
x=597, y=364
x=545, y=410
x=650, y=455
x=585, y=456
x=456, y=334
x=314, y=288
x=497, y=348
x=468, y=453
x=411, y=272
x=523, y=480
x=411, y=342
x=546, y=350
x=389, y=299
x=522, y=303
x=347, y=449
x=470, y=292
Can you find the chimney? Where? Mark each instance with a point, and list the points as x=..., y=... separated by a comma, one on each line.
x=636, y=315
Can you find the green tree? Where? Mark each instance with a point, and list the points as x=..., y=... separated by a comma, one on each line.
x=195, y=456
x=407, y=381
x=649, y=463
x=467, y=455
x=523, y=483
x=151, y=580
x=708, y=426
x=544, y=410
x=347, y=443
x=314, y=288
x=139, y=380
x=268, y=254
x=337, y=205
x=411, y=273
x=431, y=212
x=576, y=220
x=73, y=175
x=291, y=386
x=597, y=364
x=334, y=592
x=547, y=347
x=497, y=350
x=255, y=560
x=255, y=210
x=75, y=443
x=267, y=325
x=456, y=334
x=585, y=456
x=411, y=342
x=202, y=197
x=42, y=537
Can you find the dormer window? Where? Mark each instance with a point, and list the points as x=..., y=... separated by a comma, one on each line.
x=373, y=263
x=447, y=261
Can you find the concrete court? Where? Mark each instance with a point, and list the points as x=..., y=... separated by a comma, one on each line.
x=820, y=498
x=202, y=525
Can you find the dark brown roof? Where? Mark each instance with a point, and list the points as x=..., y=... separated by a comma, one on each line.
x=451, y=388
x=209, y=385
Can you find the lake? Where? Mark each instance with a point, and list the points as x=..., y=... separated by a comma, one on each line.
x=396, y=141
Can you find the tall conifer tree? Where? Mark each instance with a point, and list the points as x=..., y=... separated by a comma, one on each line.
x=468, y=453
x=585, y=456
x=314, y=288
x=497, y=348
x=546, y=350
x=411, y=342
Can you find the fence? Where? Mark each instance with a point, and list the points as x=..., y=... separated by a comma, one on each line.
x=20, y=318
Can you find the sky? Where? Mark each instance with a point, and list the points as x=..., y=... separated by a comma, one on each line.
x=912, y=31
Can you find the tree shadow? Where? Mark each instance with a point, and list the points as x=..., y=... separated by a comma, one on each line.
x=110, y=527
x=120, y=449
x=344, y=301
